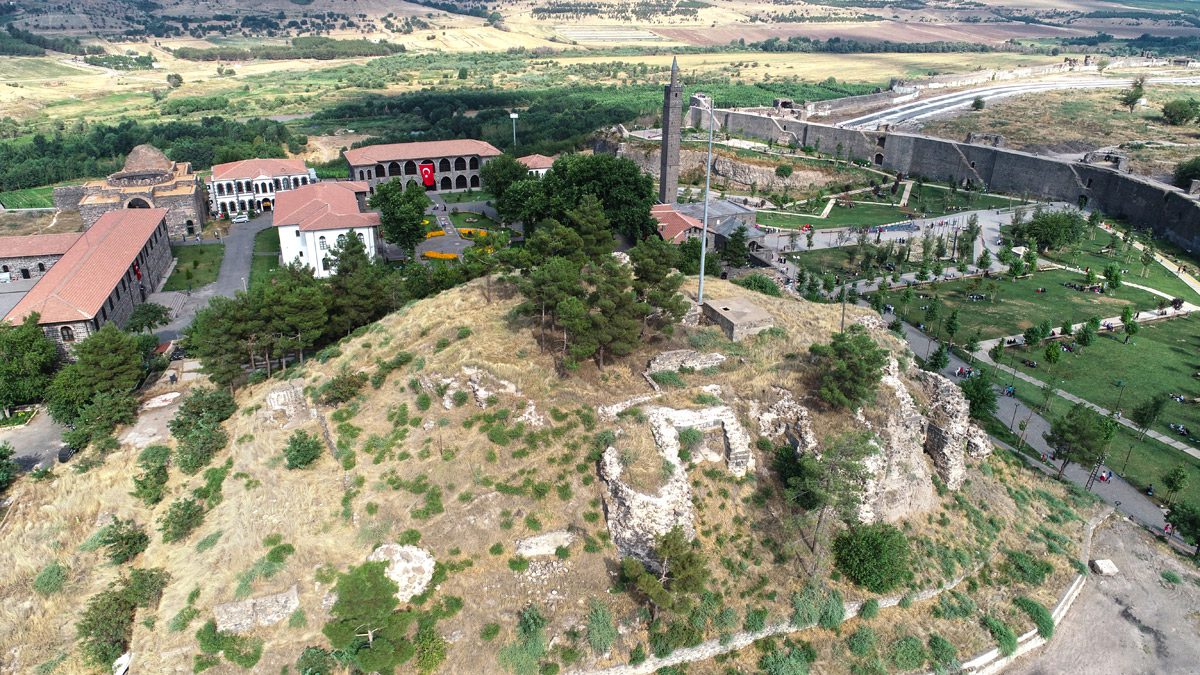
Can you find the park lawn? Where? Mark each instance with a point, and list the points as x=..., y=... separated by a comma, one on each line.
x=1149, y=459
x=481, y=221
x=474, y=195
x=29, y=198
x=1162, y=358
x=267, y=242
x=934, y=201
x=1018, y=306
x=861, y=215
x=836, y=261
x=1091, y=253
x=263, y=269
x=198, y=266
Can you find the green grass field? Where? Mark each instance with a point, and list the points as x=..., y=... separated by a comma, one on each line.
x=1018, y=306
x=1097, y=254
x=265, y=263
x=267, y=241
x=31, y=68
x=1163, y=357
x=29, y=198
x=198, y=266
x=468, y=196
x=836, y=261
x=860, y=215
x=480, y=221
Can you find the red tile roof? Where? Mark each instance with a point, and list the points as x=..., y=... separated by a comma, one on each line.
x=399, y=152
x=536, y=161
x=673, y=225
x=254, y=168
x=329, y=205
x=37, y=244
x=78, y=284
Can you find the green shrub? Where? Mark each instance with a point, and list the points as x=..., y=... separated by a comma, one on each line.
x=869, y=609
x=1171, y=577
x=805, y=606
x=181, y=519
x=424, y=401
x=601, y=631
x=784, y=662
x=124, y=540
x=489, y=631
x=1040, y=615
x=875, y=556
x=149, y=486
x=240, y=650
x=862, y=641
x=106, y=625
x=833, y=611
x=908, y=653
x=522, y=656
x=208, y=542
x=1005, y=638
x=302, y=449
x=668, y=378
x=637, y=655
x=316, y=661
x=1024, y=568
x=518, y=564
x=51, y=579
x=756, y=620
x=942, y=652
x=341, y=387
x=760, y=283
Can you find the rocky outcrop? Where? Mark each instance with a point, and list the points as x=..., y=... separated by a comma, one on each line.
x=785, y=418
x=266, y=610
x=544, y=544
x=949, y=436
x=900, y=482
x=636, y=519
x=410, y=567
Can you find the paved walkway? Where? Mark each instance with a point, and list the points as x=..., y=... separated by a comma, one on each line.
x=234, y=275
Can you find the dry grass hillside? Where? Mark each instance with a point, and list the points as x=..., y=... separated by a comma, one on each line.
x=414, y=456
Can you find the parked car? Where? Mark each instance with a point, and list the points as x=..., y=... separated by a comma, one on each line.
x=241, y=218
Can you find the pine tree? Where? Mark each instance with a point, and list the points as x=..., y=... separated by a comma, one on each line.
x=108, y=361
x=851, y=367
x=656, y=281
x=589, y=222
x=736, y=253
x=617, y=315
x=355, y=289
x=1081, y=435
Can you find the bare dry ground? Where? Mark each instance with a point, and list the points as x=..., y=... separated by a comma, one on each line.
x=39, y=222
x=1080, y=120
x=1135, y=622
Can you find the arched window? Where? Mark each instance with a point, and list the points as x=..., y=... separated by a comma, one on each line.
x=41, y=267
x=444, y=164
x=474, y=163
x=380, y=170
x=410, y=168
x=341, y=240
x=276, y=183
x=460, y=164
x=4, y=268
x=325, y=264
x=475, y=181
x=360, y=174
x=304, y=180
x=445, y=183
x=322, y=243
x=137, y=203
x=361, y=237
x=67, y=334
x=460, y=183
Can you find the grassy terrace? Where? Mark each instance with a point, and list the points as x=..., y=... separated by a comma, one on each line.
x=480, y=221
x=861, y=215
x=1018, y=306
x=1162, y=358
x=836, y=261
x=198, y=266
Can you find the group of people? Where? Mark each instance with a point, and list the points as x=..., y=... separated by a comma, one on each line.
x=965, y=371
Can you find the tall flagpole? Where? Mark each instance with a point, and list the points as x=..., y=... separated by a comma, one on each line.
x=707, y=189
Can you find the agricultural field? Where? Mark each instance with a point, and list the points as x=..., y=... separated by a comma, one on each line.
x=1073, y=122
x=198, y=266
x=31, y=198
x=1018, y=305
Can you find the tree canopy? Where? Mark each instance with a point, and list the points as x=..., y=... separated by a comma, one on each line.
x=1051, y=229
x=27, y=363
x=850, y=366
x=1081, y=435
x=500, y=173
x=401, y=210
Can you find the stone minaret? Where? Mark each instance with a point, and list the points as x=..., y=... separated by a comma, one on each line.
x=672, y=117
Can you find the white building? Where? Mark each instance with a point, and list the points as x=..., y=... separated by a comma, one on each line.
x=538, y=165
x=313, y=219
x=251, y=184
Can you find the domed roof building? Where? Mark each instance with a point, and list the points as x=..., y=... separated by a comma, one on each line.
x=148, y=180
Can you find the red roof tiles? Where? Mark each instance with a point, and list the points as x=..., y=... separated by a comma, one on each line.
x=254, y=168
x=673, y=225
x=400, y=152
x=77, y=285
x=329, y=205
x=37, y=244
x=535, y=162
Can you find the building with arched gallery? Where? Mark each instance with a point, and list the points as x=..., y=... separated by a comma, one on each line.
x=149, y=180
x=251, y=184
x=449, y=165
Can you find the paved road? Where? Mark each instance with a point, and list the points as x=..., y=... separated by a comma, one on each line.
x=37, y=443
x=234, y=275
x=923, y=108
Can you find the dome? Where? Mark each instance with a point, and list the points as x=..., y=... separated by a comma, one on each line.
x=145, y=159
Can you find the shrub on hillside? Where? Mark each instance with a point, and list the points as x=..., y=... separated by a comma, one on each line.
x=1025, y=568
x=760, y=283
x=1040, y=615
x=182, y=517
x=302, y=449
x=1004, y=636
x=875, y=556
x=150, y=485
x=106, y=625
x=123, y=539
x=907, y=653
x=341, y=387
x=51, y=579
x=197, y=448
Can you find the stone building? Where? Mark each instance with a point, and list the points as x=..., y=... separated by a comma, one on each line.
x=442, y=166
x=724, y=217
x=32, y=256
x=314, y=219
x=110, y=269
x=672, y=119
x=148, y=181
x=251, y=184
x=738, y=317
x=538, y=165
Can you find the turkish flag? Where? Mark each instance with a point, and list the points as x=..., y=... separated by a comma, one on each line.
x=427, y=174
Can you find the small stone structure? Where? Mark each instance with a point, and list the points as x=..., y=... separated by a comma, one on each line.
x=148, y=180
x=410, y=567
x=1110, y=158
x=738, y=317
x=684, y=358
x=786, y=418
x=983, y=138
x=1105, y=568
x=287, y=407
x=266, y=610
x=544, y=544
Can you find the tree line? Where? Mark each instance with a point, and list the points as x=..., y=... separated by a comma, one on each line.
x=320, y=48
x=99, y=149
x=839, y=45
x=19, y=42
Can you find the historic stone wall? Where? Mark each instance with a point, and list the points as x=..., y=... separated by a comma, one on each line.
x=68, y=197
x=14, y=265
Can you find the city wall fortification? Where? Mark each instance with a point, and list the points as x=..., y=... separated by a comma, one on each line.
x=1170, y=212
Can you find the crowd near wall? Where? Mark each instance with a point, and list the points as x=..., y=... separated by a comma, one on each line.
x=1168, y=211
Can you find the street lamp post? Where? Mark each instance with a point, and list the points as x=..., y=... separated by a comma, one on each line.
x=513, y=116
x=707, y=189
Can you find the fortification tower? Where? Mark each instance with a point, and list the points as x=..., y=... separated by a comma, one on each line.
x=672, y=117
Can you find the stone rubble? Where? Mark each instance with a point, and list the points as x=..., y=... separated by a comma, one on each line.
x=787, y=418
x=410, y=567
x=949, y=436
x=266, y=610
x=684, y=358
x=544, y=544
